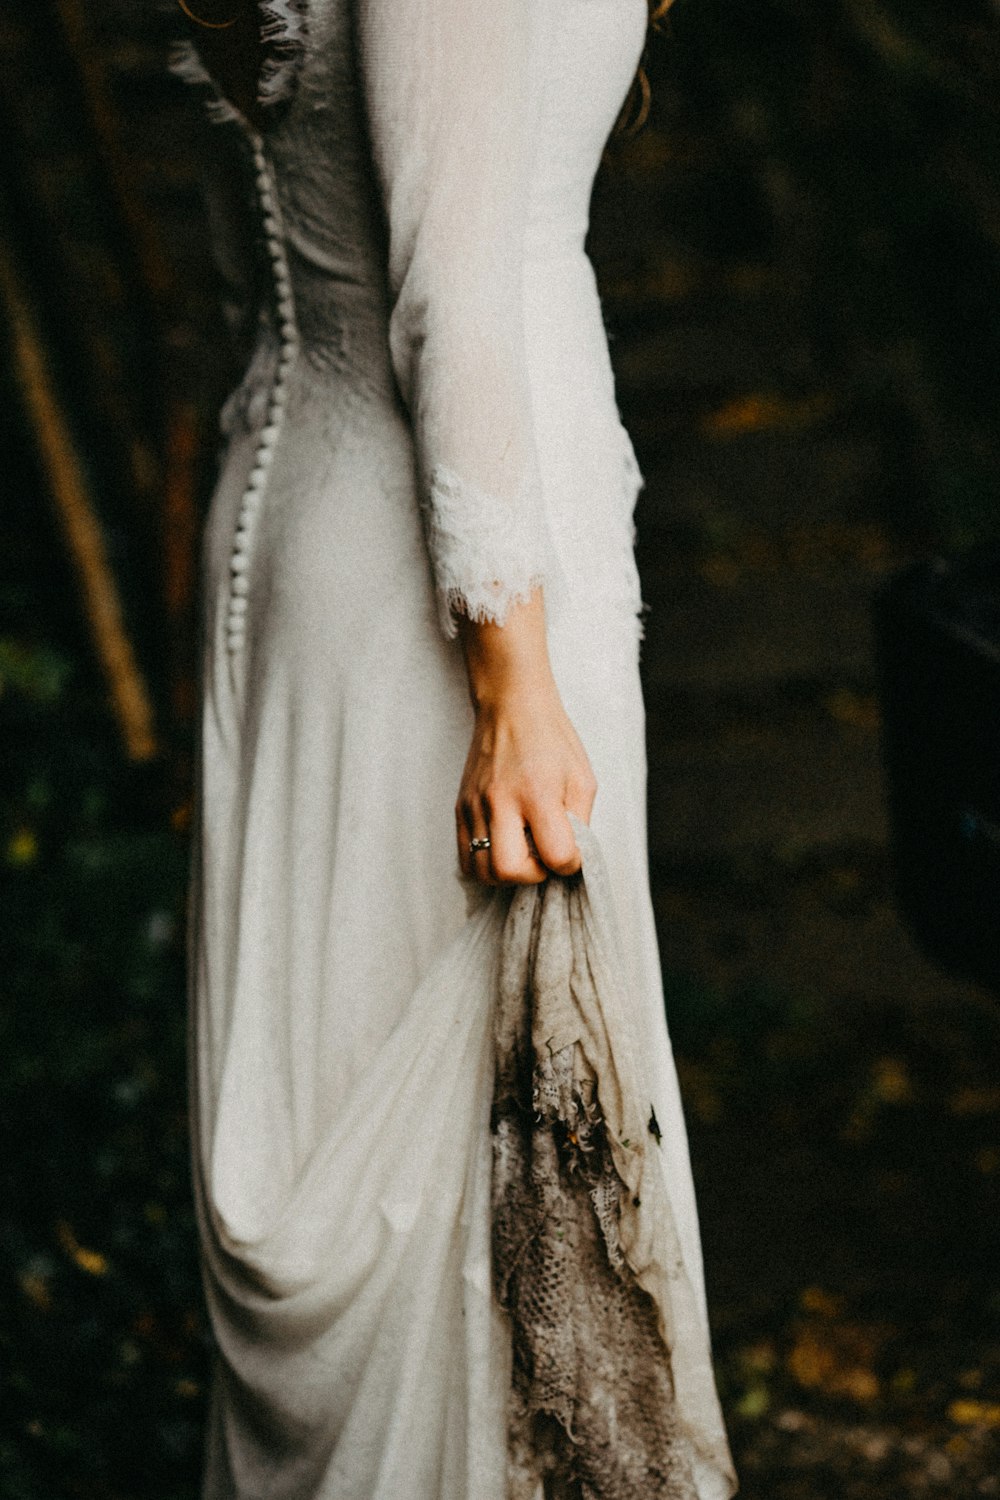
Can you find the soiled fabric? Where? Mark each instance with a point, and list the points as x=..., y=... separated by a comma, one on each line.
x=431, y=390
x=611, y=1393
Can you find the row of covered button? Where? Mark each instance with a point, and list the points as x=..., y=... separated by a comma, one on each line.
x=267, y=439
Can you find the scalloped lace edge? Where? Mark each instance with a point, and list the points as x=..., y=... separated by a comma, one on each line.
x=488, y=555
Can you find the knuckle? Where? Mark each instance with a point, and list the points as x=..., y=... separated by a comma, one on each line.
x=583, y=784
x=491, y=797
x=561, y=857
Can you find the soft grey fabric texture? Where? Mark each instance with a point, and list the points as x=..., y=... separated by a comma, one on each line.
x=586, y=1256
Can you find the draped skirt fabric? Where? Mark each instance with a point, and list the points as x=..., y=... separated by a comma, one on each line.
x=342, y=975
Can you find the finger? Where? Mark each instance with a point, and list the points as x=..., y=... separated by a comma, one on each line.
x=580, y=794
x=476, y=861
x=554, y=840
x=462, y=842
x=511, y=859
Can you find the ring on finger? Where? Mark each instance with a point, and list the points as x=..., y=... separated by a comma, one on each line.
x=475, y=845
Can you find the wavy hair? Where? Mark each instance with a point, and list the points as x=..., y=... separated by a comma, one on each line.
x=635, y=110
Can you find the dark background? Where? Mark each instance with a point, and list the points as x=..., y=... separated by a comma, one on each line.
x=800, y=264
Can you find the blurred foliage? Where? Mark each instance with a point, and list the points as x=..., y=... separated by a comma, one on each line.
x=101, y=1343
x=101, y=1353
x=851, y=152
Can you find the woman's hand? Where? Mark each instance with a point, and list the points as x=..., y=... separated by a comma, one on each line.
x=526, y=768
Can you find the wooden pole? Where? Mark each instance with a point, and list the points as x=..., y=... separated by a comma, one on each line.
x=67, y=481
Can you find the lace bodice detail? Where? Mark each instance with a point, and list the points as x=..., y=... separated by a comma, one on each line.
x=484, y=124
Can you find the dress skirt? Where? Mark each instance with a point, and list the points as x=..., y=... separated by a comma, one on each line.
x=342, y=971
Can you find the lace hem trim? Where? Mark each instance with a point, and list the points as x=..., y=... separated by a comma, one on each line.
x=612, y=1392
x=487, y=554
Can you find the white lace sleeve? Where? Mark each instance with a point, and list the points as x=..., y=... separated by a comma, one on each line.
x=452, y=99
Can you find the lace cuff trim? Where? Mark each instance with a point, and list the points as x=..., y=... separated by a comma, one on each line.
x=487, y=554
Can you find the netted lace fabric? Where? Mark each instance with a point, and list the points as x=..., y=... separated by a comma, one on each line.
x=586, y=1257
x=488, y=554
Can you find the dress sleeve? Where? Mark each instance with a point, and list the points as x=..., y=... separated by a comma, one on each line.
x=452, y=96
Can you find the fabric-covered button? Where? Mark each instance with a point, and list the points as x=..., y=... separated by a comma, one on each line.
x=283, y=313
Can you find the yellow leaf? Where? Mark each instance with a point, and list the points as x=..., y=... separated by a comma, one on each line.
x=90, y=1261
x=754, y=1402
x=836, y=1358
x=814, y=1299
x=762, y=411
x=890, y=1081
x=975, y=1101
x=36, y=1289
x=22, y=848
x=967, y=1413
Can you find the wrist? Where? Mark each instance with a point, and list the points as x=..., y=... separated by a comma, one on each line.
x=507, y=661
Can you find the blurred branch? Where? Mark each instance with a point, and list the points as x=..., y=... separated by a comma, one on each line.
x=892, y=45
x=902, y=54
x=153, y=266
x=67, y=481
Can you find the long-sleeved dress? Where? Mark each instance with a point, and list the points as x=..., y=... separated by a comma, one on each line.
x=428, y=423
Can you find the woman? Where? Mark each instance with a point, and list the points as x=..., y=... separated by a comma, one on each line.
x=418, y=576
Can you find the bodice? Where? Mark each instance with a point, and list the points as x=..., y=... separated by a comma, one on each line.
x=331, y=212
x=424, y=195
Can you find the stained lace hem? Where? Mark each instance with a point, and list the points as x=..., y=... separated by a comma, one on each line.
x=488, y=555
x=612, y=1394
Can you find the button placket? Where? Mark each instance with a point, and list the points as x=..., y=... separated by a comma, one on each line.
x=283, y=307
